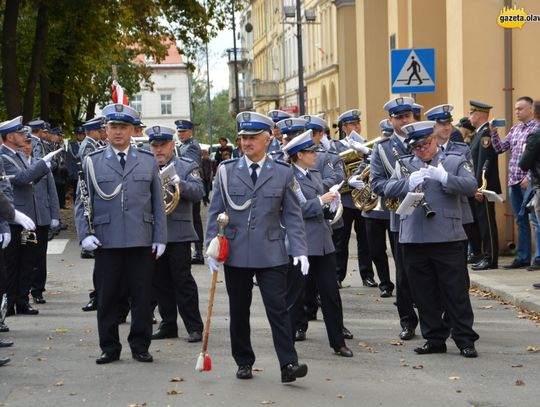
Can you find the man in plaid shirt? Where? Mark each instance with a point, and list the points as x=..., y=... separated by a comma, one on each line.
x=518, y=182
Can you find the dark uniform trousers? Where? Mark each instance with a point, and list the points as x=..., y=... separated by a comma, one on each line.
x=19, y=260
x=175, y=288
x=197, y=224
x=112, y=267
x=487, y=225
x=376, y=230
x=321, y=271
x=404, y=299
x=39, y=276
x=437, y=273
x=273, y=287
x=341, y=242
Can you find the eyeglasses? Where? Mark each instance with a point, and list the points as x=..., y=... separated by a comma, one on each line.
x=423, y=145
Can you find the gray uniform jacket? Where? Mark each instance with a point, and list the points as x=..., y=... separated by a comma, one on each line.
x=256, y=238
x=445, y=200
x=380, y=175
x=318, y=230
x=6, y=202
x=26, y=176
x=180, y=221
x=462, y=148
x=274, y=145
x=136, y=216
x=325, y=166
x=46, y=199
x=72, y=158
x=190, y=149
x=38, y=150
x=88, y=145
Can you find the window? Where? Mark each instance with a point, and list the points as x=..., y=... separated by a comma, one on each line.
x=166, y=104
x=136, y=103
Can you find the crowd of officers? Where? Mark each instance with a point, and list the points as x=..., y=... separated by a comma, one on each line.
x=291, y=210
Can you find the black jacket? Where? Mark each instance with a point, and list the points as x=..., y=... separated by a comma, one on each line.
x=530, y=159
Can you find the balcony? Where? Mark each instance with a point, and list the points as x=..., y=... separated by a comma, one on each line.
x=265, y=91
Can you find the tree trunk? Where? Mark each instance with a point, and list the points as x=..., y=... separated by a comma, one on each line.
x=90, y=109
x=45, y=101
x=38, y=58
x=10, y=76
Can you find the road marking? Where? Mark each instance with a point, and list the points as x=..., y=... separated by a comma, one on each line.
x=57, y=246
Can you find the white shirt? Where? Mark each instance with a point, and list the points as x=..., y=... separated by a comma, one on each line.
x=260, y=163
x=121, y=151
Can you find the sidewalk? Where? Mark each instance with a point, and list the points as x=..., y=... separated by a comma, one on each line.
x=514, y=286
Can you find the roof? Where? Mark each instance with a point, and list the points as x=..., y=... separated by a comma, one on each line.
x=172, y=59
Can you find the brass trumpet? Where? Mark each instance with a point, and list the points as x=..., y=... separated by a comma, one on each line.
x=171, y=190
x=365, y=199
x=351, y=160
x=27, y=236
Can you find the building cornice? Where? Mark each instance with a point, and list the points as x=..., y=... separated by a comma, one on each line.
x=344, y=3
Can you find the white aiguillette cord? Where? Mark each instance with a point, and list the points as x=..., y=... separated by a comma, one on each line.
x=102, y=195
x=225, y=191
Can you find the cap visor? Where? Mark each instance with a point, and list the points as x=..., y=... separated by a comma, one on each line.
x=253, y=132
x=118, y=121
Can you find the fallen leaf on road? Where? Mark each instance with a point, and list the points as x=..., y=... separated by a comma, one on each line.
x=418, y=367
x=532, y=349
x=169, y=344
x=520, y=382
x=258, y=369
x=268, y=402
x=396, y=342
x=486, y=307
x=328, y=379
x=454, y=378
x=137, y=405
x=41, y=359
x=520, y=365
x=209, y=394
x=72, y=394
x=340, y=396
x=402, y=359
x=174, y=392
x=61, y=330
x=88, y=331
x=59, y=383
x=177, y=379
x=363, y=344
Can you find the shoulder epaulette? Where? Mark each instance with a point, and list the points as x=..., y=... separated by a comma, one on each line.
x=231, y=160
x=383, y=140
x=407, y=156
x=96, y=152
x=332, y=152
x=313, y=170
x=282, y=163
x=453, y=153
x=460, y=143
x=186, y=159
x=142, y=150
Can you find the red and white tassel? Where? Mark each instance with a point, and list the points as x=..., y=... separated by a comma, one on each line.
x=199, y=366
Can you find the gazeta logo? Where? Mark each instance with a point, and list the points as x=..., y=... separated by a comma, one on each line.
x=514, y=17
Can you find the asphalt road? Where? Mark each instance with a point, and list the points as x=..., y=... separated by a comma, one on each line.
x=53, y=357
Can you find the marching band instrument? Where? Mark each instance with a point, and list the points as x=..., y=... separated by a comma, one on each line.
x=28, y=236
x=405, y=172
x=351, y=160
x=484, y=179
x=85, y=199
x=171, y=197
x=365, y=199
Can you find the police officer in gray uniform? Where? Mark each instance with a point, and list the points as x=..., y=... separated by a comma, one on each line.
x=19, y=264
x=432, y=245
x=38, y=149
x=72, y=157
x=175, y=287
x=257, y=195
x=383, y=164
x=277, y=136
x=127, y=230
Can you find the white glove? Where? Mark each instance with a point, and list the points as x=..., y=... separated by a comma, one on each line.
x=416, y=178
x=158, y=249
x=325, y=142
x=175, y=179
x=90, y=243
x=24, y=220
x=437, y=173
x=6, y=238
x=355, y=145
x=335, y=203
x=304, y=264
x=213, y=265
x=55, y=223
x=48, y=157
x=356, y=182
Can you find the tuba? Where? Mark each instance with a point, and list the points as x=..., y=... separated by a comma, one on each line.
x=351, y=161
x=365, y=199
x=171, y=191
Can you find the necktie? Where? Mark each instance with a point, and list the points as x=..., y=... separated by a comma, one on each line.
x=254, y=172
x=442, y=149
x=122, y=159
x=308, y=175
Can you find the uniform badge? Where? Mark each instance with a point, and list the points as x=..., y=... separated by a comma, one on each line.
x=288, y=122
x=119, y=108
x=156, y=129
x=468, y=167
x=196, y=173
x=330, y=164
x=246, y=116
x=399, y=101
x=486, y=141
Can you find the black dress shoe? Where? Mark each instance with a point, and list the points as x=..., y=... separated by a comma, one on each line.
x=344, y=351
x=292, y=371
x=194, y=336
x=536, y=285
x=473, y=258
x=87, y=254
x=106, y=357
x=369, y=282
x=299, y=335
x=38, y=299
x=164, y=334
x=347, y=334
x=429, y=348
x=483, y=265
x=469, y=352
x=386, y=293
x=535, y=266
x=197, y=260
x=91, y=306
x=5, y=344
x=4, y=328
x=516, y=264
x=407, y=334
x=3, y=361
x=26, y=309
x=144, y=357
x=244, y=372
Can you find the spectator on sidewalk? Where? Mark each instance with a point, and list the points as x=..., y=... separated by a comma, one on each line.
x=206, y=175
x=518, y=182
x=223, y=148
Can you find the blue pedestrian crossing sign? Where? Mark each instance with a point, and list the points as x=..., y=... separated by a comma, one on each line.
x=413, y=70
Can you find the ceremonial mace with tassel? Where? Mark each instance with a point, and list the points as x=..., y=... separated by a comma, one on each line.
x=218, y=249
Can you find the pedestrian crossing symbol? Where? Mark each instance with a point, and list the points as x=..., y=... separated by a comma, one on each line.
x=413, y=70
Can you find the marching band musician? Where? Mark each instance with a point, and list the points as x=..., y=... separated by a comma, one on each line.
x=19, y=266
x=321, y=253
x=277, y=136
x=433, y=247
x=288, y=128
x=174, y=285
x=383, y=163
x=257, y=195
x=128, y=215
